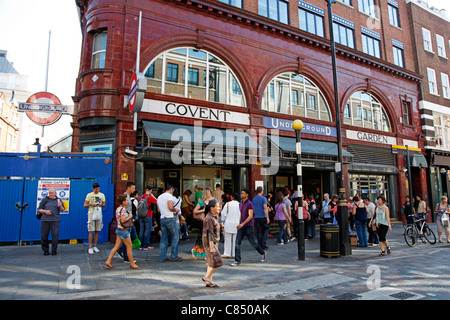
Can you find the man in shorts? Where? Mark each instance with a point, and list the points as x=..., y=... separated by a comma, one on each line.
x=94, y=201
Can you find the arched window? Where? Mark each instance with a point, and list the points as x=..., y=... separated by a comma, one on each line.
x=364, y=110
x=194, y=74
x=294, y=94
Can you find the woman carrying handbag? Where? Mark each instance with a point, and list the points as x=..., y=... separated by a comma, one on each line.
x=124, y=222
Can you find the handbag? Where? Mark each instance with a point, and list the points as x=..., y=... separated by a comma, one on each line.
x=97, y=214
x=445, y=220
x=200, y=216
x=127, y=224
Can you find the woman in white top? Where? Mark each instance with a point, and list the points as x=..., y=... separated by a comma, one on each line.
x=230, y=219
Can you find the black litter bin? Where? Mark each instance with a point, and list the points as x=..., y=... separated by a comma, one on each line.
x=329, y=240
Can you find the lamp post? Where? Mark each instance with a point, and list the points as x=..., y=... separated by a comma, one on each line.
x=342, y=212
x=297, y=125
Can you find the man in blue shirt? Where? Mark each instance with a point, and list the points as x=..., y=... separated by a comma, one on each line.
x=261, y=216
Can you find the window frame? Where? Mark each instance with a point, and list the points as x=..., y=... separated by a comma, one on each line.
x=268, y=10
x=356, y=99
x=368, y=7
x=366, y=45
x=432, y=84
x=426, y=35
x=189, y=60
x=232, y=3
x=347, y=29
x=310, y=99
x=394, y=16
x=398, y=55
x=316, y=17
x=99, y=52
x=445, y=85
x=441, y=46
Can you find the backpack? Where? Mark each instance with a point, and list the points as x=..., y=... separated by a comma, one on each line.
x=142, y=208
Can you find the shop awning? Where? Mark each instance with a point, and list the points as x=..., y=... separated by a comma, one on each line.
x=203, y=135
x=418, y=160
x=311, y=146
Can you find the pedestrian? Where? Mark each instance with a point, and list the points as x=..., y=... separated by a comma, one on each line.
x=146, y=222
x=130, y=189
x=408, y=210
x=177, y=205
x=169, y=226
x=50, y=207
x=442, y=218
x=332, y=208
x=230, y=218
x=289, y=209
x=186, y=208
x=198, y=195
x=371, y=230
x=245, y=228
x=304, y=216
x=312, y=210
x=383, y=222
x=217, y=194
x=325, y=212
x=198, y=252
x=420, y=209
x=359, y=213
x=95, y=200
x=123, y=234
x=281, y=216
x=211, y=238
x=261, y=217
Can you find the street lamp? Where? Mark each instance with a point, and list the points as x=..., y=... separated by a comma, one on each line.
x=342, y=212
x=297, y=125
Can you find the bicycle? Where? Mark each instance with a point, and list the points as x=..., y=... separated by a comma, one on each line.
x=414, y=232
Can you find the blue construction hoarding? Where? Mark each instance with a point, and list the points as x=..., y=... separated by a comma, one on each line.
x=20, y=175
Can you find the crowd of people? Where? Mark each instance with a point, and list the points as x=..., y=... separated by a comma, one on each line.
x=216, y=216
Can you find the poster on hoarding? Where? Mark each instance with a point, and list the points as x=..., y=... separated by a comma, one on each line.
x=62, y=188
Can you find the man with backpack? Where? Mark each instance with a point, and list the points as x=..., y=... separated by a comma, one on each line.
x=145, y=216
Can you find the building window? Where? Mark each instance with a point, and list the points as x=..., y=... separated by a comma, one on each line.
x=427, y=40
x=343, y=35
x=393, y=14
x=367, y=7
x=172, y=72
x=294, y=94
x=218, y=83
x=274, y=9
x=398, y=56
x=347, y=2
x=432, y=85
x=406, y=112
x=99, y=51
x=440, y=46
x=445, y=86
x=371, y=46
x=442, y=130
x=364, y=110
x=310, y=22
x=236, y=3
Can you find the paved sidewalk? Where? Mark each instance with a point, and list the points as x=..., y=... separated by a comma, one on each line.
x=25, y=273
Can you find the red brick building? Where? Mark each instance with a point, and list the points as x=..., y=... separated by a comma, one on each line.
x=250, y=65
x=431, y=30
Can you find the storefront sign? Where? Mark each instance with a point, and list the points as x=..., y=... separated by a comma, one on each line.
x=370, y=137
x=62, y=188
x=281, y=124
x=195, y=112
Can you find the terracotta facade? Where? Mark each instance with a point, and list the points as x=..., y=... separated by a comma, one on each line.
x=256, y=49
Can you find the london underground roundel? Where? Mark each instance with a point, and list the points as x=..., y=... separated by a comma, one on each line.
x=44, y=118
